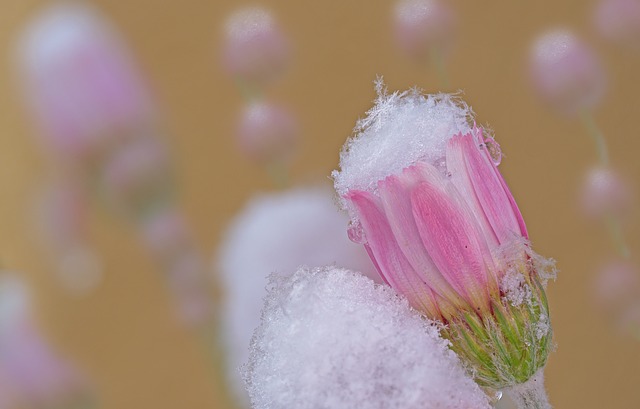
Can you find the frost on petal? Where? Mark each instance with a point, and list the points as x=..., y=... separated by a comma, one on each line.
x=332, y=339
x=276, y=233
x=401, y=129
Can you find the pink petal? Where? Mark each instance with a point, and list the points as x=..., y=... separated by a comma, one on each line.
x=475, y=174
x=387, y=255
x=452, y=241
x=395, y=195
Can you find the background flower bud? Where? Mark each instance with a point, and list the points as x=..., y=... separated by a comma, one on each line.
x=267, y=132
x=255, y=50
x=424, y=27
x=565, y=72
x=79, y=80
x=618, y=21
x=605, y=193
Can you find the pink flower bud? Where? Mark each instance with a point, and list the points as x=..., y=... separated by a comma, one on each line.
x=605, y=192
x=255, y=49
x=79, y=79
x=423, y=27
x=565, y=72
x=617, y=284
x=137, y=174
x=267, y=132
x=166, y=233
x=618, y=21
x=443, y=229
x=37, y=376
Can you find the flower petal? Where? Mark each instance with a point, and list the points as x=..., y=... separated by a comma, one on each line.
x=393, y=265
x=395, y=195
x=452, y=241
x=475, y=174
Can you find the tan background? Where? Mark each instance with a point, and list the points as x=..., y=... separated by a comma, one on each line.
x=124, y=336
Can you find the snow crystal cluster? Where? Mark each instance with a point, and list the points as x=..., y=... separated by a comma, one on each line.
x=276, y=233
x=333, y=339
x=401, y=129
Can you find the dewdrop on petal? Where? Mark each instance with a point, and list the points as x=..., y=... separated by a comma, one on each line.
x=618, y=21
x=267, y=132
x=79, y=80
x=565, y=72
x=276, y=232
x=424, y=27
x=255, y=49
x=332, y=339
x=436, y=216
x=605, y=192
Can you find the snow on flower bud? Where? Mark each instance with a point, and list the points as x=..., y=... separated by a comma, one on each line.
x=422, y=185
x=565, y=72
x=605, y=192
x=424, y=27
x=276, y=232
x=267, y=132
x=255, y=49
x=619, y=22
x=79, y=80
x=330, y=338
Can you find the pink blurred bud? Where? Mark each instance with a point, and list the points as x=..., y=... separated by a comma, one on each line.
x=629, y=320
x=166, y=234
x=255, y=49
x=137, y=174
x=190, y=285
x=617, y=284
x=605, y=192
x=267, y=132
x=79, y=79
x=424, y=26
x=37, y=375
x=618, y=21
x=565, y=72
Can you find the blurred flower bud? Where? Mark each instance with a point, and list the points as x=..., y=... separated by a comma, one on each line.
x=629, y=320
x=137, y=175
x=605, y=192
x=617, y=284
x=423, y=27
x=79, y=80
x=190, y=285
x=565, y=72
x=267, y=132
x=166, y=234
x=618, y=21
x=255, y=50
x=37, y=376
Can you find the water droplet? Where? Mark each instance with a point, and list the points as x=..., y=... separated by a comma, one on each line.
x=356, y=232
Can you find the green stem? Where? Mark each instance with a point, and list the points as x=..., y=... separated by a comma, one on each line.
x=279, y=173
x=617, y=235
x=598, y=138
x=438, y=60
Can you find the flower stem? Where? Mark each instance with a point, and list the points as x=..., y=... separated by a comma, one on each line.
x=437, y=58
x=531, y=394
x=598, y=138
